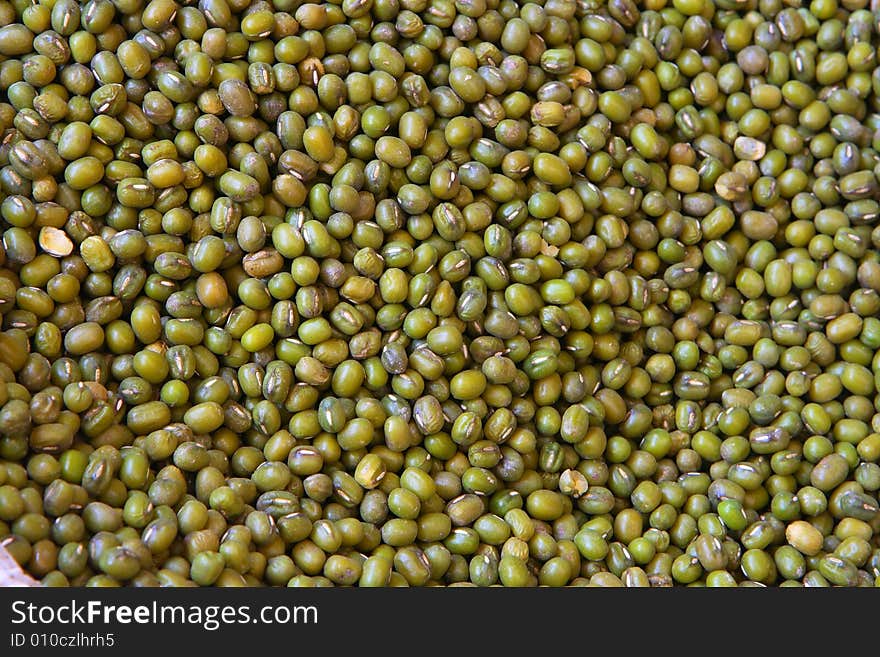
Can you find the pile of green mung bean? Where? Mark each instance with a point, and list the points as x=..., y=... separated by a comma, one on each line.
x=440, y=292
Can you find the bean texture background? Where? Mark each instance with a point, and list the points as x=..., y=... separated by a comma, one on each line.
x=440, y=292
